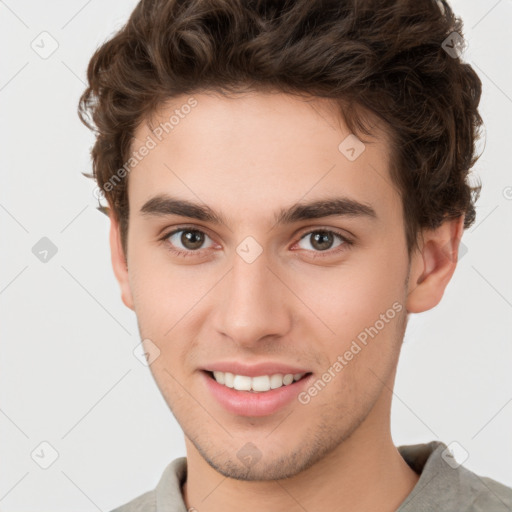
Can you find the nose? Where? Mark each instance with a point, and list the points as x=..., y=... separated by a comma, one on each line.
x=253, y=302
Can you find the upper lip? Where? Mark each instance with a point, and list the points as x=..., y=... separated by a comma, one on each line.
x=254, y=370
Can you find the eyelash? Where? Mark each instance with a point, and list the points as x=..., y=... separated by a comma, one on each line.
x=345, y=245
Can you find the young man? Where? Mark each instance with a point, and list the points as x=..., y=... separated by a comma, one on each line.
x=286, y=182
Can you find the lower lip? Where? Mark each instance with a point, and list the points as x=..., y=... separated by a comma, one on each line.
x=245, y=403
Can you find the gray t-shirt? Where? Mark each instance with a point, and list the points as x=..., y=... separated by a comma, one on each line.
x=443, y=486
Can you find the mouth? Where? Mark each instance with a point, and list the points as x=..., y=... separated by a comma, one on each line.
x=258, y=395
x=257, y=384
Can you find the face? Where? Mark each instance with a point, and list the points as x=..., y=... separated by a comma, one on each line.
x=250, y=285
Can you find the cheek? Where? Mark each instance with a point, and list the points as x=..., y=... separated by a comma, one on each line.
x=166, y=296
x=352, y=296
x=362, y=303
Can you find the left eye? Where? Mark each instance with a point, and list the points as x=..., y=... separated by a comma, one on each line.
x=322, y=240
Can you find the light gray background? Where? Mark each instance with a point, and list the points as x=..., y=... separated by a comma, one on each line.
x=68, y=375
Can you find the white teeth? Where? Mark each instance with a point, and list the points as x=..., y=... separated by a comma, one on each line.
x=276, y=381
x=258, y=384
x=219, y=377
x=287, y=379
x=228, y=379
x=242, y=383
x=261, y=383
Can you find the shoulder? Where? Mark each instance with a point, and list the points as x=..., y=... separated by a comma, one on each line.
x=485, y=493
x=167, y=494
x=144, y=503
x=447, y=486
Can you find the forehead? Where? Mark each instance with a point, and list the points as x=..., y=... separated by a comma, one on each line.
x=256, y=149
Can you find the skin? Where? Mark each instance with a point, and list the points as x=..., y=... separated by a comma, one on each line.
x=248, y=157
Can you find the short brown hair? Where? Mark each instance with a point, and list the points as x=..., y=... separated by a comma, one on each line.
x=381, y=56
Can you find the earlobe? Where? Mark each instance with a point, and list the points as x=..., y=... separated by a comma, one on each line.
x=119, y=263
x=433, y=265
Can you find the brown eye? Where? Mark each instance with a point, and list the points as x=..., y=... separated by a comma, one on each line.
x=322, y=240
x=187, y=239
x=192, y=239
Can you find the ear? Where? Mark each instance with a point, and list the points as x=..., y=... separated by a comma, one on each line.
x=433, y=265
x=119, y=263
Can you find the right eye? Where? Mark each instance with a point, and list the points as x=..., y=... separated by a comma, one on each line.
x=191, y=240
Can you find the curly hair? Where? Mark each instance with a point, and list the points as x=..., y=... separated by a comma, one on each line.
x=385, y=57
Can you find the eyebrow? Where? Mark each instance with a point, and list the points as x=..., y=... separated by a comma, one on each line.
x=163, y=205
